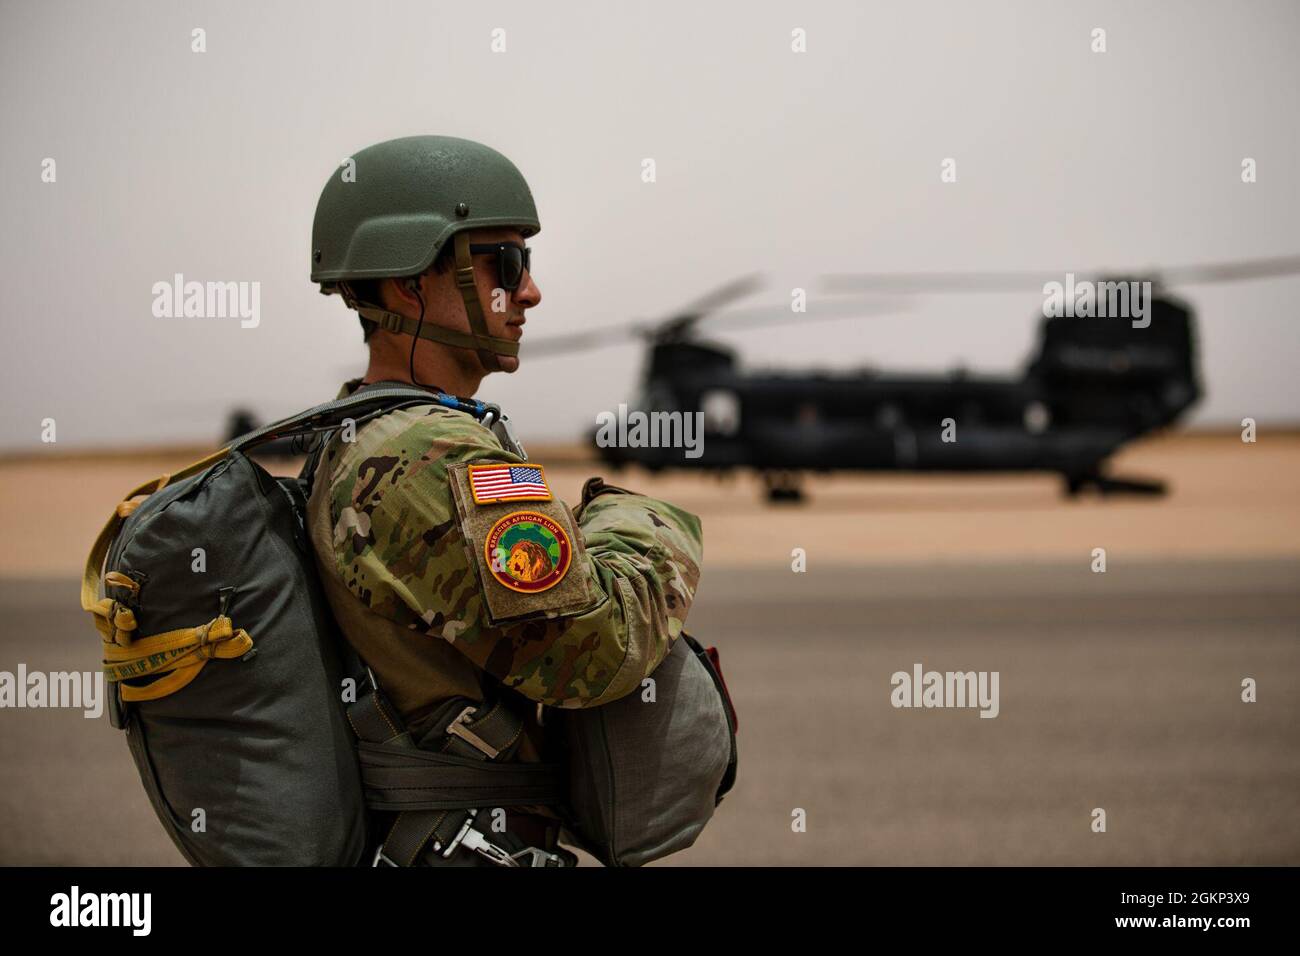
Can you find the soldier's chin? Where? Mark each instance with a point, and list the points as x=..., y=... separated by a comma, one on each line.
x=508, y=363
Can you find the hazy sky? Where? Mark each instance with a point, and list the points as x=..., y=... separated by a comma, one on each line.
x=801, y=164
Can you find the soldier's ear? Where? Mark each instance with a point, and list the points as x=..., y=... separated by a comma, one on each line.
x=405, y=289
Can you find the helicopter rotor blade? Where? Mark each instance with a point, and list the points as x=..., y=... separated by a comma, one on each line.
x=1232, y=271
x=717, y=298
x=940, y=283
x=678, y=323
x=582, y=341
x=817, y=311
x=679, y=319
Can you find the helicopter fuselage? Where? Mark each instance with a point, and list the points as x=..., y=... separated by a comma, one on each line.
x=1095, y=384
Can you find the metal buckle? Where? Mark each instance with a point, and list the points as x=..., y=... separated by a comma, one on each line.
x=456, y=840
x=476, y=841
x=504, y=429
x=538, y=857
x=458, y=728
x=380, y=858
x=465, y=829
x=472, y=839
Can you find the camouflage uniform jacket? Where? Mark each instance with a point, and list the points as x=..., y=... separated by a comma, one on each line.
x=396, y=568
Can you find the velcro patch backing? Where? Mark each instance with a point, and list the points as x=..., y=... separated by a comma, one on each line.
x=528, y=555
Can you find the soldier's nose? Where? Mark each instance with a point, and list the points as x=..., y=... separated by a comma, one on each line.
x=528, y=295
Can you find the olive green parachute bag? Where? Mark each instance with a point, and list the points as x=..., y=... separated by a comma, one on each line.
x=224, y=665
x=645, y=775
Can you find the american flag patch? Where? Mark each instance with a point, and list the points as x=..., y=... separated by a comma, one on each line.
x=491, y=483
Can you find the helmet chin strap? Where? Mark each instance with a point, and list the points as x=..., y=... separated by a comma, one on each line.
x=473, y=308
x=478, y=340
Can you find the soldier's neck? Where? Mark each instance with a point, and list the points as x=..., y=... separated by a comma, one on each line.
x=433, y=366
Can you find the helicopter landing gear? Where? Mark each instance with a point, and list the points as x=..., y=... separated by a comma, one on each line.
x=783, y=487
x=1075, y=484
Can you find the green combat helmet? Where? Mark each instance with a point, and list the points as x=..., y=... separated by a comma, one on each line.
x=406, y=199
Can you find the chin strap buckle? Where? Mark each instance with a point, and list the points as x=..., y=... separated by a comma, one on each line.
x=391, y=321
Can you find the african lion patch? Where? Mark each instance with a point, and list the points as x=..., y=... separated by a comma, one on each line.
x=547, y=579
x=528, y=552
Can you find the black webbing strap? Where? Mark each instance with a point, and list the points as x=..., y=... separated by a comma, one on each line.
x=399, y=778
x=374, y=720
x=431, y=791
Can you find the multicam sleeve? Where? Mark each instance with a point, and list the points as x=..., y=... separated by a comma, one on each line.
x=645, y=555
x=401, y=550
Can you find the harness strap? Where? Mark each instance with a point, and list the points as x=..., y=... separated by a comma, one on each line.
x=375, y=721
x=411, y=832
x=435, y=793
x=398, y=778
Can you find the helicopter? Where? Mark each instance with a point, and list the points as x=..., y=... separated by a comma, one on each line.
x=1093, y=385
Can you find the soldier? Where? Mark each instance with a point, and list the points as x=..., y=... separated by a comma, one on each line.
x=471, y=591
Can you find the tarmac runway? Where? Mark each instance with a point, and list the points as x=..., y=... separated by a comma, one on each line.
x=1119, y=691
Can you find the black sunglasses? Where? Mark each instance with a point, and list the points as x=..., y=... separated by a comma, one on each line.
x=512, y=261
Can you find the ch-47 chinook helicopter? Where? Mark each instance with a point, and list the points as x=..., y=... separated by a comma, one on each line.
x=1093, y=385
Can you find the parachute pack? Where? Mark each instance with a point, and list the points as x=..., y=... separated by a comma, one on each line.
x=227, y=675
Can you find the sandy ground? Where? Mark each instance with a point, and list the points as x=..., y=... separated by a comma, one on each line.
x=1227, y=499
x=1118, y=690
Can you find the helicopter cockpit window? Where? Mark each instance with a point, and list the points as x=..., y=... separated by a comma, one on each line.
x=721, y=410
x=1037, y=418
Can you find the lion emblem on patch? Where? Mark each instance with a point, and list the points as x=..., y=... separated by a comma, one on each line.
x=528, y=561
x=528, y=552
